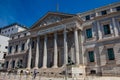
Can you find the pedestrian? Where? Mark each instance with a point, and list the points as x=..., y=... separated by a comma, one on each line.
x=34, y=73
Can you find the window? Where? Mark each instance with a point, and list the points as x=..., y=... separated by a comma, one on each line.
x=106, y=29
x=7, y=62
x=91, y=56
x=13, y=63
x=87, y=17
x=12, y=37
x=89, y=33
x=33, y=44
x=23, y=47
x=93, y=71
x=4, y=56
x=6, y=47
x=110, y=54
x=24, y=34
x=118, y=8
x=104, y=12
x=18, y=36
x=19, y=64
x=16, y=48
x=10, y=49
x=93, y=15
x=12, y=28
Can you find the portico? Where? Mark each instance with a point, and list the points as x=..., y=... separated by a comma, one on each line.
x=55, y=54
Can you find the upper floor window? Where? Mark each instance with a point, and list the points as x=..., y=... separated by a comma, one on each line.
x=110, y=52
x=23, y=47
x=16, y=48
x=106, y=29
x=87, y=17
x=24, y=34
x=104, y=12
x=118, y=8
x=10, y=49
x=12, y=37
x=91, y=56
x=12, y=28
x=89, y=33
x=18, y=36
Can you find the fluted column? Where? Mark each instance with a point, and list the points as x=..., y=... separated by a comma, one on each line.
x=65, y=47
x=115, y=28
x=29, y=55
x=76, y=46
x=99, y=30
x=37, y=53
x=45, y=52
x=55, y=51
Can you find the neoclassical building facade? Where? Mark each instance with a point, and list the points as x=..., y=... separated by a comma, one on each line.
x=89, y=40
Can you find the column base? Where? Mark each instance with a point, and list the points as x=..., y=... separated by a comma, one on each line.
x=44, y=67
x=35, y=68
x=54, y=66
x=28, y=68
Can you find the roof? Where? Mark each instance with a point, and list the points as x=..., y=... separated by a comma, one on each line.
x=13, y=25
x=102, y=7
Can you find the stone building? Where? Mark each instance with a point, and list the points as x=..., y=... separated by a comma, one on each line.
x=11, y=29
x=89, y=40
x=3, y=49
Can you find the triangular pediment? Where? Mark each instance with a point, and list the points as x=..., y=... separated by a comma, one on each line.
x=50, y=18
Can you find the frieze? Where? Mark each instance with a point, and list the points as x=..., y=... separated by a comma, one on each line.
x=56, y=28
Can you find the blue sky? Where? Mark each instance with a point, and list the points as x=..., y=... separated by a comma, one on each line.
x=27, y=12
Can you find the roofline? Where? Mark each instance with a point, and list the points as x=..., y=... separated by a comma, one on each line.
x=92, y=10
x=48, y=13
x=13, y=25
x=4, y=36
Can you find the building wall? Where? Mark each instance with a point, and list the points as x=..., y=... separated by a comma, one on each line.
x=11, y=30
x=98, y=43
x=3, y=48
